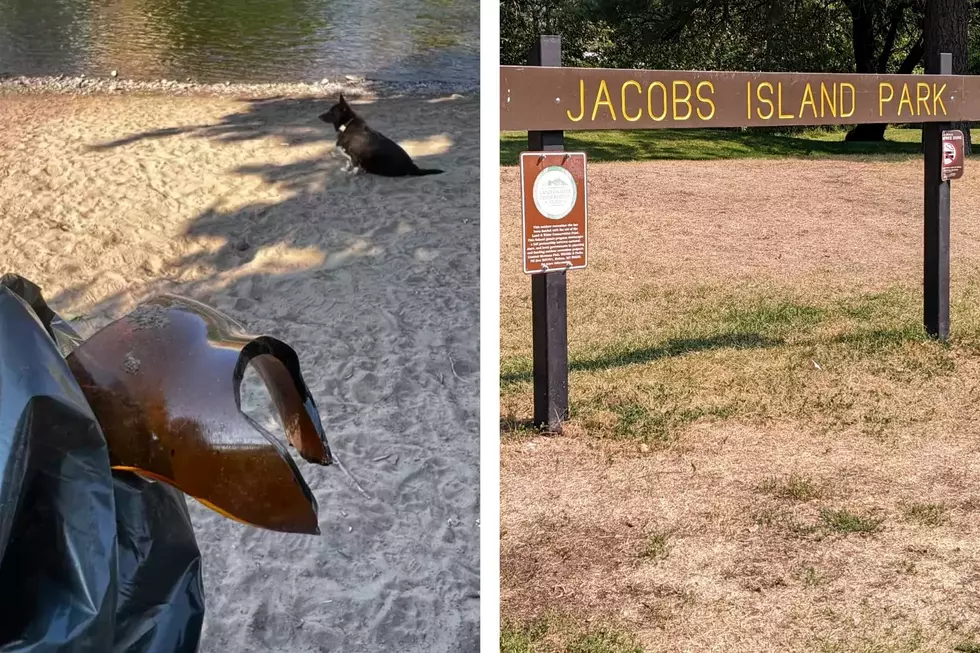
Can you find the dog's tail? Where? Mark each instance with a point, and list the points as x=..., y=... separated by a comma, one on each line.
x=422, y=171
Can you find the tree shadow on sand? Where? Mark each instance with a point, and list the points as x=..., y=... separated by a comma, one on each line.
x=291, y=119
x=326, y=217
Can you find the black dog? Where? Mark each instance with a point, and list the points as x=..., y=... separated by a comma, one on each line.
x=367, y=149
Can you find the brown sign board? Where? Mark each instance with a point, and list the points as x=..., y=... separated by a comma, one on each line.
x=542, y=99
x=554, y=202
x=952, y=154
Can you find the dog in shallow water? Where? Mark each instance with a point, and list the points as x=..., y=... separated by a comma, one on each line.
x=367, y=149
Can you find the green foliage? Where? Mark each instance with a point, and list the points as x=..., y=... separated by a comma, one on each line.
x=805, y=35
x=581, y=31
x=728, y=35
x=765, y=35
x=973, y=47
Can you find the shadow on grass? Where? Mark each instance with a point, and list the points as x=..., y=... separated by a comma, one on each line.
x=522, y=370
x=878, y=339
x=712, y=144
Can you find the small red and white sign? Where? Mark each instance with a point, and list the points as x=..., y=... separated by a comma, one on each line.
x=952, y=154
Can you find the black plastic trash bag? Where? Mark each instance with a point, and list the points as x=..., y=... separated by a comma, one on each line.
x=95, y=557
x=91, y=561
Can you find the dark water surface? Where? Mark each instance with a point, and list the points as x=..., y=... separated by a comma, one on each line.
x=243, y=40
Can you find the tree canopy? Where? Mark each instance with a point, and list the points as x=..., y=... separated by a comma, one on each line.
x=772, y=35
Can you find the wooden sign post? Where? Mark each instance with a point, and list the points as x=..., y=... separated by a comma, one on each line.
x=935, y=273
x=549, y=297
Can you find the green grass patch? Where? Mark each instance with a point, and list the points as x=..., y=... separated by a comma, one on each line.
x=522, y=638
x=657, y=545
x=967, y=647
x=830, y=522
x=758, y=354
x=512, y=426
x=927, y=514
x=652, y=419
x=603, y=640
x=809, y=577
x=846, y=522
x=794, y=488
x=782, y=520
x=709, y=144
x=772, y=316
x=562, y=635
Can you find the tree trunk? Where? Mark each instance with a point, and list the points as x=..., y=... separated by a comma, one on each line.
x=876, y=132
x=867, y=132
x=947, y=27
x=866, y=60
x=863, y=36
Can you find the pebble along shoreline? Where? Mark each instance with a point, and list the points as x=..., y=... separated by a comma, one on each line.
x=349, y=85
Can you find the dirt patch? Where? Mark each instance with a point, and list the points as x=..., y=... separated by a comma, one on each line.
x=732, y=576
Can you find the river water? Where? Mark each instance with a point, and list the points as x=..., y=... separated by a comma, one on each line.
x=243, y=41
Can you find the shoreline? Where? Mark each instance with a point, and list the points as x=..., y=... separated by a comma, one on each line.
x=350, y=85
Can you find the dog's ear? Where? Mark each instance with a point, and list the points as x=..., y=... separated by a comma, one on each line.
x=342, y=101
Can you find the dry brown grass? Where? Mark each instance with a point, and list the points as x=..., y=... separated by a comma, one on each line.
x=765, y=452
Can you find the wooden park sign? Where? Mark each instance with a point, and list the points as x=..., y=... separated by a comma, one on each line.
x=554, y=203
x=546, y=100
x=535, y=98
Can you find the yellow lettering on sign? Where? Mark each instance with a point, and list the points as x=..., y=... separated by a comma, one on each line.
x=828, y=98
x=922, y=98
x=581, y=102
x=603, y=90
x=639, y=89
x=768, y=100
x=808, y=99
x=906, y=99
x=849, y=112
x=682, y=100
x=663, y=89
x=937, y=99
x=881, y=96
x=706, y=100
x=748, y=100
x=782, y=116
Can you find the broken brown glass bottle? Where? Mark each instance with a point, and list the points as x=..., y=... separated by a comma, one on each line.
x=164, y=382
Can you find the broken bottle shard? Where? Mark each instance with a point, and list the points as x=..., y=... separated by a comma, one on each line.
x=164, y=382
x=93, y=555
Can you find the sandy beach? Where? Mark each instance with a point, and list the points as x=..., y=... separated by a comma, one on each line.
x=108, y=199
